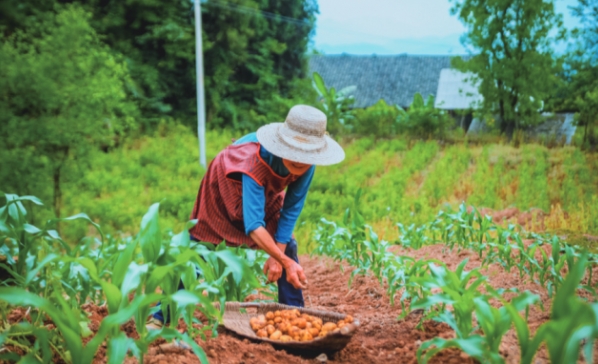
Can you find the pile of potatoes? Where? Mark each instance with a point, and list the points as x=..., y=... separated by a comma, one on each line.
x=291, y=325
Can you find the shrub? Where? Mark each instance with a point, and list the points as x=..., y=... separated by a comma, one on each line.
x=422, y=119
x=379, y=120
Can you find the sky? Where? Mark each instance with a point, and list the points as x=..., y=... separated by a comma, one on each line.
x=396, y=26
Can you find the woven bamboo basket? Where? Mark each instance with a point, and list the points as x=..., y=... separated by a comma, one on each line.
x=236, y=319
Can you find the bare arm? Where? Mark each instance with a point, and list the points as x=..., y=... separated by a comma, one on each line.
x=295, y=274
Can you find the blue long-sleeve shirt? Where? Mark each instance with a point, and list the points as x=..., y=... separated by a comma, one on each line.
x=254, y=197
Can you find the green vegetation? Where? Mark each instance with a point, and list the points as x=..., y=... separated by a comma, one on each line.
x=255, y=64
x=514, y=60
x=402, y=181
x=62, y=97
x=423, y=119
x=55, y=279
x=430, y=285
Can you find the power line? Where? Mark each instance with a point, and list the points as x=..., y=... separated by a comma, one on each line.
x=255, y=12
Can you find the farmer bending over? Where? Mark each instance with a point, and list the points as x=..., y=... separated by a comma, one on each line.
x=241, y=199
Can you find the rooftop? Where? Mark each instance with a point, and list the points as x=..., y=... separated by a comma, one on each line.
x=394, y=78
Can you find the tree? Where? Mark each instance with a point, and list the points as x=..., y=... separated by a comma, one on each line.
x=255, y=59
x=62, y=92
x=514, y=61
x=254, y=54
x=583, y=78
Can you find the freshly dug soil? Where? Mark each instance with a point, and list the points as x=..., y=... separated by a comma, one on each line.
x=381, y=338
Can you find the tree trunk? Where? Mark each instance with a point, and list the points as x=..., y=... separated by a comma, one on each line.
x=57, y=190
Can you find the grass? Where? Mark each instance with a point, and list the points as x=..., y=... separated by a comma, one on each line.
x=402, y=181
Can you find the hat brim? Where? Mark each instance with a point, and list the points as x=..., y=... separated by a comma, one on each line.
x=268, y=137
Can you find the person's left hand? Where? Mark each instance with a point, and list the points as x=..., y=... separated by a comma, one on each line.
x=272, y=269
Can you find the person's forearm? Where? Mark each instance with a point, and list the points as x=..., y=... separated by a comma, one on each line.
x=265, y=241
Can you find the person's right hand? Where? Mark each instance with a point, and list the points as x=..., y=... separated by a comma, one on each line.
x=295, y=275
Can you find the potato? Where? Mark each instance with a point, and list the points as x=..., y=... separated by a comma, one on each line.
x=294, y=330
x=288, y=325
x=276, y=335
x=301, y=323
x=306, y=336
x=329, y=326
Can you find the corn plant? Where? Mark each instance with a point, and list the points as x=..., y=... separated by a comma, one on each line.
x=459, y=288
x=573, y=322
x=493, y=323
x=68, y=277
x=412, y=236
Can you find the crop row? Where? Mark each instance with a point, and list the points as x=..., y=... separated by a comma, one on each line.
x=54, y=280
x=573, y=320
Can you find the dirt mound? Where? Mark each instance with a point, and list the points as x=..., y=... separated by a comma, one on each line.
x=531, y=218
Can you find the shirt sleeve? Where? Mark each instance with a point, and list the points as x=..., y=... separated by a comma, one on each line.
x=254, y=204
x=292, y=206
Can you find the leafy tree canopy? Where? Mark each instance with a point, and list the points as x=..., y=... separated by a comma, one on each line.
x=62, y=91
x=582, y=80
x=514, y=62
x=254, y=53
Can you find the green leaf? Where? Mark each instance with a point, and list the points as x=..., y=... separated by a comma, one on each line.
x=33, y=273
x=33, y=199
x=169, y=334
x=319, y=84
x=80, y=216
x=233, y=262
x=473, y=346
x=118, y=347
x=31, y=229
x=85, y=330
x=418, y=101
x=150, y=236
x=113, y=296
x=122, y=264
x=132, y=278
x=20, y=297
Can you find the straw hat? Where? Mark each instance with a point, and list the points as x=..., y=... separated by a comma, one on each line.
x=301, y=138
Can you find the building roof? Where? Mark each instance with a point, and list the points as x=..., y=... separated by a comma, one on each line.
x=394, y=78
x=455, y=91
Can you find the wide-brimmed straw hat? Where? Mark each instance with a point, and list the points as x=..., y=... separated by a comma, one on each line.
x=301, y=138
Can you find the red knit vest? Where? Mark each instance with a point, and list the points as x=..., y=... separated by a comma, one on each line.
x=219, y=203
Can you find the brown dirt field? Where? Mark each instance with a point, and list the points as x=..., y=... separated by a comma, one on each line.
x=381, y=338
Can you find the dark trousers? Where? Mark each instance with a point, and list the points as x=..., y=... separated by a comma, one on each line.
x=287, y=294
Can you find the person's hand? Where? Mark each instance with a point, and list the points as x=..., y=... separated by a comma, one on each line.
x=295, y=275
x=273, y=270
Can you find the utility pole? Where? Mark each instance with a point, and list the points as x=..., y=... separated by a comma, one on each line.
x=201, y=100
